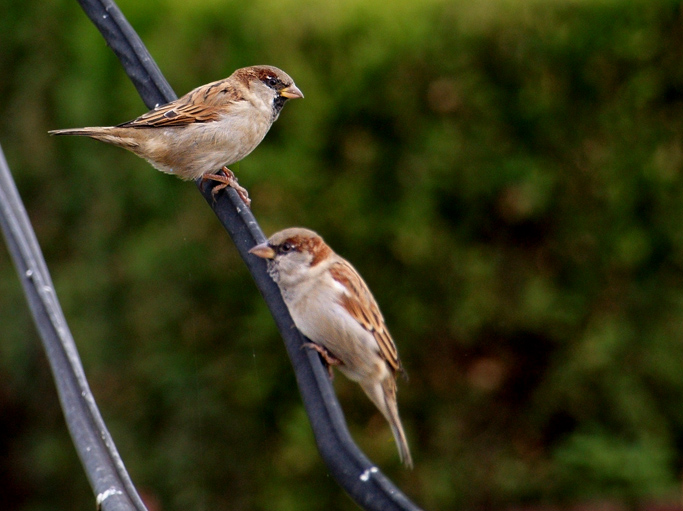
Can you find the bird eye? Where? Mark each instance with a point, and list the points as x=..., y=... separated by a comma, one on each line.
x=286, y=247
x=271, y=81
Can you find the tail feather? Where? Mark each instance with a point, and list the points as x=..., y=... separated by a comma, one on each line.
x=383, y=395
x=84, y=132
x=109, y=134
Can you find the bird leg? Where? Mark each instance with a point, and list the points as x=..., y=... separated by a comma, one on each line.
x=226, y=177
x=328, y=357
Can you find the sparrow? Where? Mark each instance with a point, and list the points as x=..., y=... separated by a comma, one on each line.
x=206, y=130
x=333, y=307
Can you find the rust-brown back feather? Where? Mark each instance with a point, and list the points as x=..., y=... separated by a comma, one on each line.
x=369, y=316
x=187, y=109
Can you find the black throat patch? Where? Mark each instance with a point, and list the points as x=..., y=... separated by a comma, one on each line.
x=278, y=103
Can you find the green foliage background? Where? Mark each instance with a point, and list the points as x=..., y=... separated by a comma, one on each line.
x=506, y=175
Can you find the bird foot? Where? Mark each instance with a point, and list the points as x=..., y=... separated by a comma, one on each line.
x=329, y=358
x=226, y=177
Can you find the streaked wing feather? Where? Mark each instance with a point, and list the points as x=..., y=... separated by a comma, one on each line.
x=174, y=115
x=203, y=104
x=369, y=317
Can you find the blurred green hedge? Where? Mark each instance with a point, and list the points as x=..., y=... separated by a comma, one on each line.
x=506, y=176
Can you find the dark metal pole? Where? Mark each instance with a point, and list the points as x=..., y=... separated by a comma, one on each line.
x=108, y=478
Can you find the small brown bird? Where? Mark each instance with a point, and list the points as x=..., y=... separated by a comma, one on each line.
x=332, y=306
x=206, y=130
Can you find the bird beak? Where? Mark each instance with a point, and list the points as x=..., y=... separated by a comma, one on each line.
x=263, y=251
x=291, y=92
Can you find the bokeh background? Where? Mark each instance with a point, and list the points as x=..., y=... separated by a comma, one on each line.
x=506, y=175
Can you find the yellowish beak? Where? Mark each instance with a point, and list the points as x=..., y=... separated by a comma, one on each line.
x=263, y=251
x=291, y=92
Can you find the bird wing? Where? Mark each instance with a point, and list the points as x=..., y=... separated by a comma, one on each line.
x=203, y=104
x=360, y=303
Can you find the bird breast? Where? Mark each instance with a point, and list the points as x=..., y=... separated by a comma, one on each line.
x=319, y=315
x=194, y=150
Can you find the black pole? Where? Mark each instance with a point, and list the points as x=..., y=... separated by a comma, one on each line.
x=108, y=478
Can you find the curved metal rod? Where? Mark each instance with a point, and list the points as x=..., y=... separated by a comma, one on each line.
x=107, y=475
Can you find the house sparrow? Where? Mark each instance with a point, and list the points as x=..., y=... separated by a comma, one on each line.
x=206, y=130
x=333, y=307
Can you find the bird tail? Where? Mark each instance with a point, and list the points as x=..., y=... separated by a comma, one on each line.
x=109, y=134
x=384, y=396
x=83, y=132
